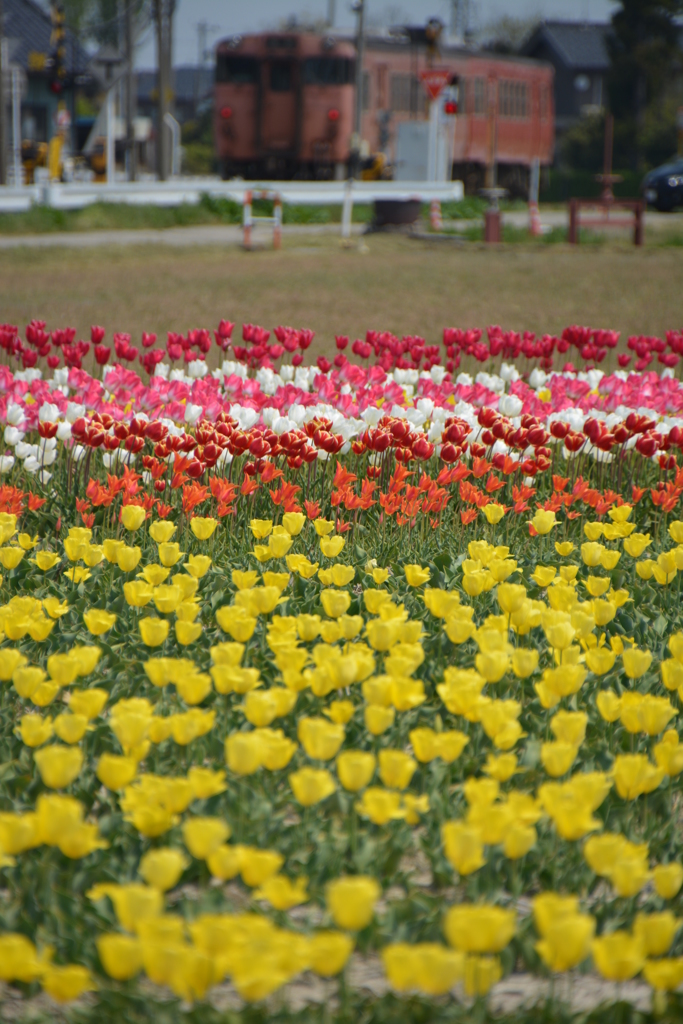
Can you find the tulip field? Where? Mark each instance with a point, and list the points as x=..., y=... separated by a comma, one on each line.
x=310, y=664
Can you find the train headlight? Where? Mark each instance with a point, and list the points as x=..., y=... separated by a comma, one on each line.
x=226, y=113
x=333, y=114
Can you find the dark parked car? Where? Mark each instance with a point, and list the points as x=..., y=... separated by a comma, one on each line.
x=663, y=187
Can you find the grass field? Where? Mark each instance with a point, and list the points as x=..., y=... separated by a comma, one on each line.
x=397, y=284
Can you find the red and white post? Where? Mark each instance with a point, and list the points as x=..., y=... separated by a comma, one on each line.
x=435, y=221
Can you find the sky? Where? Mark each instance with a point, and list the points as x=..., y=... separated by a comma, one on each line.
x=228, y=17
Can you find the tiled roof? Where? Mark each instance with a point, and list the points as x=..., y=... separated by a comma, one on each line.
x=28, y=28
x=580, y=45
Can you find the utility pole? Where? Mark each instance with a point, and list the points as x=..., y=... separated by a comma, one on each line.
x=131, y=153
x=330, y=13
x=163, y=12
x=359, y=8
x=3, y=100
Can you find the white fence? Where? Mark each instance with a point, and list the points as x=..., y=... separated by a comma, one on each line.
x=76, y=195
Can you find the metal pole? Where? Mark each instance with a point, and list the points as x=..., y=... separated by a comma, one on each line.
x=16, y=126
x=174, y=127
x=360, y=52
x=347, y=211
x=433, y=140
x=111, y=149
x=131, y=154
x=330, y=13
x=3, y=106
x=162, y=65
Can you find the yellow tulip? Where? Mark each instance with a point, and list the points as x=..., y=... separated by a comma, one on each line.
x=634, y=775
x=243, y=752
x=564, y=548
x=261, y=528
x=378, y=719
x=293, y=523
x=153, y=631
x=203, y=527
x=120, y=955
x=396, y=768
x=416, y=575
x=280, y=892
x=557, y=758
x=332, y=547
x=116, y=771
x=161, y=531
x=59, y=766
x=98, y=621
x=463, y=846
x=479, y=928
x=320, y=738
x=335, y=602
x=329, y=951
x=67, y=983
x=46, y=560
x=202, y=836
x=618, y=956
x=351, y=901
x=34, y=730
x=127, y=558
x=500, y=767
x=543, y=522
x=311, y=785
x=355, y=768
x=132, y=517
x=380, y=805
x=636, y=662
x=668, y=879
x=70, y=728
x=170, y=553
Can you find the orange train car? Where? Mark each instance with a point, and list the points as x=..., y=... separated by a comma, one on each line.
x=284, y=106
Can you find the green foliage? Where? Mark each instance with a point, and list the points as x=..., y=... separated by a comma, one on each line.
x=645, y=58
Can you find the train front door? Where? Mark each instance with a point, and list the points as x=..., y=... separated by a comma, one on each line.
x=279, y=114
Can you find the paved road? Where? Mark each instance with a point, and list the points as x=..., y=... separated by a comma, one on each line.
x=207, y=234
x=231, y=234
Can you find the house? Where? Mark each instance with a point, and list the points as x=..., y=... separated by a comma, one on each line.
x=578, y=52
x=29, y=32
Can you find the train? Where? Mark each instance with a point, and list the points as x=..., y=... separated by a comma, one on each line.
x=284, y=106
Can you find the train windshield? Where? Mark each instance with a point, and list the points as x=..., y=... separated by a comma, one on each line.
x=236, y=70
x=328, y=71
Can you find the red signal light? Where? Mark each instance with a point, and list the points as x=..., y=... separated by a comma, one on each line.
x=226, y=113
x=333, y=114
x=450, y=107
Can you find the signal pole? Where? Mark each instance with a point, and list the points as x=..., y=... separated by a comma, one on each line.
x=163, y=13
x=359, y=8
x=3, y=101
x=131, y=162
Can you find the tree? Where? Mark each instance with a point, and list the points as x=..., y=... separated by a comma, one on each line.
x=645, y=57
x=507, y=33
x=102, y=20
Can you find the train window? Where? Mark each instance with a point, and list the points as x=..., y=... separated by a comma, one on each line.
x=236, y=70
x=365, y=96
x=328, y=71
x=513, y=99
x=479, y=96
x=401, y=92
x=281, y=42
x=280, y=76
